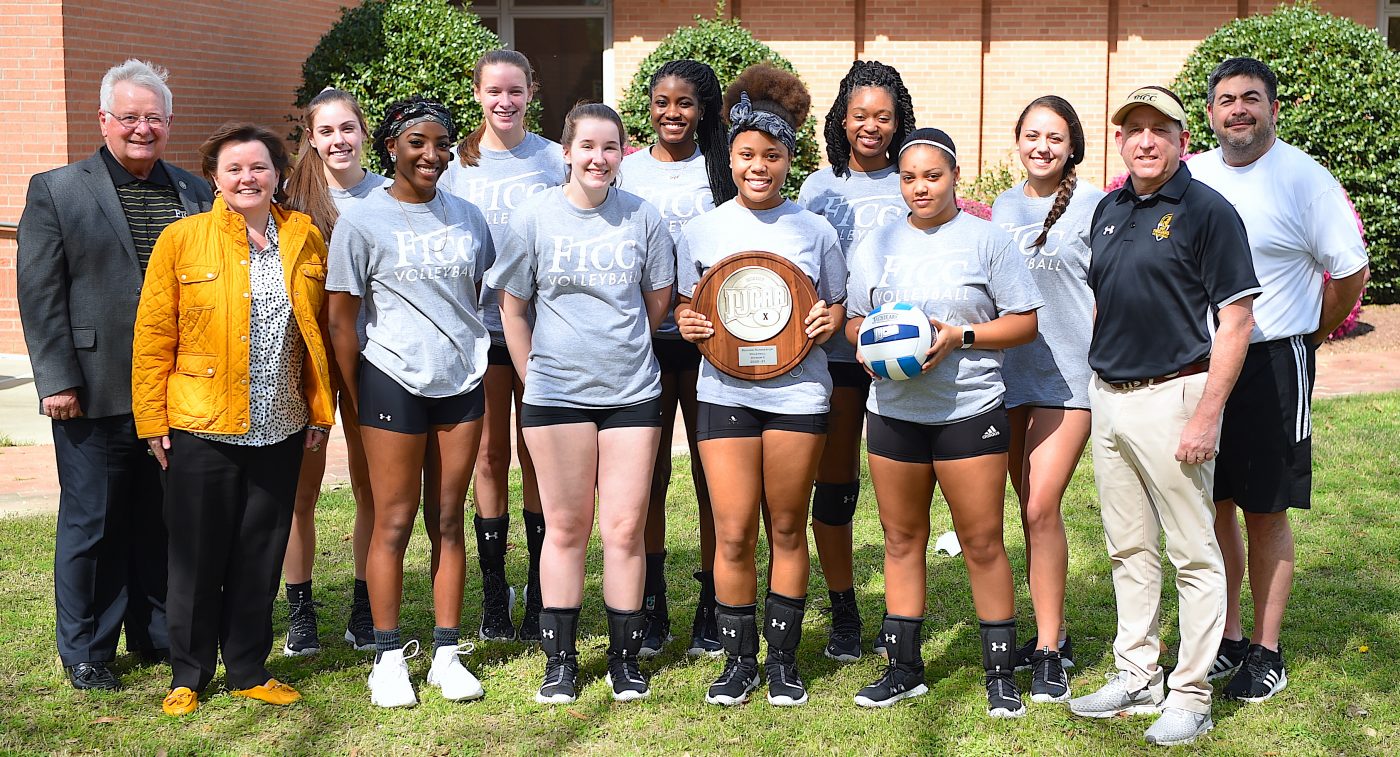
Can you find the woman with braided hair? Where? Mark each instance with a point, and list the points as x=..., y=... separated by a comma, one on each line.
x=1047, y=381
x=414, y=257
x=684, y=174
x=760, y=440
x=867, y=123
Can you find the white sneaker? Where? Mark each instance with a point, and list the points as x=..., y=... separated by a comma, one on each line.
x=389, y=685
x=1117, y=697
x=449, y=674
x=1178, y=726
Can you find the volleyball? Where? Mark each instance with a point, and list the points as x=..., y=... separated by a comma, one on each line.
x=894, y=340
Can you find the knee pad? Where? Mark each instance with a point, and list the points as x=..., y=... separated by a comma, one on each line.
x=835, y=504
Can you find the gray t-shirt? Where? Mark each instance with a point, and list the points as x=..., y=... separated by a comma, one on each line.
x=416, y=268
x=343, y=199
x=585, y=271
x=853, y=205
x=1053, y=370
x=796, y=234
x=966, y=271
x=498, y=184
x=680, y=191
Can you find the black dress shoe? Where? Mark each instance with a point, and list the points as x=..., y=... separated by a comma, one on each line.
x=92, y=675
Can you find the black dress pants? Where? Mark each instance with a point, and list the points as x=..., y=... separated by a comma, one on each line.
x=229, y=511
x=110, y=549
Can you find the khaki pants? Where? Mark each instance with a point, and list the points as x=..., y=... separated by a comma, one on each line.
x=1144, y=491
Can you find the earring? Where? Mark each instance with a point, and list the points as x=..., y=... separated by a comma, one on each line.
x=393, y=158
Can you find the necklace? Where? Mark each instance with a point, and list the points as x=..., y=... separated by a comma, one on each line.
x=435, y=242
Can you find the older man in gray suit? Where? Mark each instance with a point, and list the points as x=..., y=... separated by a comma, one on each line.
x=84, y=240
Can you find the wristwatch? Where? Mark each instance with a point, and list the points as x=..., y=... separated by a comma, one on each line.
x=969, y=336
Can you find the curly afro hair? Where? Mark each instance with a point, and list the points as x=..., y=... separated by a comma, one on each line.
x=774, y=90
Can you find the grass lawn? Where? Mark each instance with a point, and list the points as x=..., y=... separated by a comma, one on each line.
x=1342, y=642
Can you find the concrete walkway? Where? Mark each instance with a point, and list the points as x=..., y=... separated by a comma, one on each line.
x=29, y=481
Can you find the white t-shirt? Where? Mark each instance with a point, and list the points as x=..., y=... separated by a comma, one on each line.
x=1299, y=225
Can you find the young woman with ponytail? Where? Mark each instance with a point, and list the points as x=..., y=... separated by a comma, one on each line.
x=498, y=166
x=329, y=178
x=1047, y=380
x=867, y=123
x=685, y=173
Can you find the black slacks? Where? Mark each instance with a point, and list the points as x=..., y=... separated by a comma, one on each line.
x=229, y=511
x=110, y=547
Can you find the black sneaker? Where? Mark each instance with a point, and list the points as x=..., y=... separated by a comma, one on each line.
x=626, y=679
x=658, y=630
x=1260, y=677
x=301, y=630
x=785, y=686
x=740, y=676
x=560, y=680
x=843, y=643
x=704, y=631
x=900, y=681
x=359, y=632
x=1024, y=652
x=1228, y=658
x=530, y=622
x=1048, y=680
x=1003, y=697
x=497, y=602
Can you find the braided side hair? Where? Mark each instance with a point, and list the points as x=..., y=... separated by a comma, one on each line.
x=710, y=134
x=394, y=113
x=1068, y=178
x=867, y=73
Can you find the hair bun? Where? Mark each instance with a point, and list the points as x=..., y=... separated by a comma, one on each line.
x=774, y=90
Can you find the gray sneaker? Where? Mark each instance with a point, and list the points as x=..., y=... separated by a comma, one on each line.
x=1178, y=726
x=1117, y=697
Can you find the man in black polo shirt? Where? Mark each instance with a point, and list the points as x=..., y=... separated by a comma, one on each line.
x=1170, y=260
x=84, y=240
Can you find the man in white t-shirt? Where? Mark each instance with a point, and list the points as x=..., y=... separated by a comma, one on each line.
x=1300, y=224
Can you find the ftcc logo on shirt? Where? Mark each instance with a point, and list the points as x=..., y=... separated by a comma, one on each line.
x=498, y=197
x=604, y=260
x=1164, y=228
x=853, y=218
x=438, y=254
x=1045, y=257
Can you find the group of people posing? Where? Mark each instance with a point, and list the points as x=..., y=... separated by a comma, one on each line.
x=498, y=274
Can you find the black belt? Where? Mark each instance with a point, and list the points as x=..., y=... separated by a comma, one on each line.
x=1190, y=370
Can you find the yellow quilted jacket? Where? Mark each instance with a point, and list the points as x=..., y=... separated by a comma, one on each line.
x=189, y=363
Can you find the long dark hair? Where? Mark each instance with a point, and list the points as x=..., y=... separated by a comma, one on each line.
x=1068, y=179
x=469, y=149
x=307, y=189
x=710, y=134
x=867, y=73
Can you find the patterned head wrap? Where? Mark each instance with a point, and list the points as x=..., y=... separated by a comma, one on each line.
x=418, y=112
x=743, y=117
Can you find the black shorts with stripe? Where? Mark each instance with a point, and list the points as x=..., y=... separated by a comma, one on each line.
x=988, y=433
x=1265, y=461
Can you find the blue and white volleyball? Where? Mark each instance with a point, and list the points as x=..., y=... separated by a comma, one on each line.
x=894, y=340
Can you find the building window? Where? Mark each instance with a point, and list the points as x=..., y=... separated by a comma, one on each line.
x=1390, y=22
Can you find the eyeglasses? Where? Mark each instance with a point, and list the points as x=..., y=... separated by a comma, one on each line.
x=130, y=121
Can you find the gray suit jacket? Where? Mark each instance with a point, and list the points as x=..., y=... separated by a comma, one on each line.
x=79, y=281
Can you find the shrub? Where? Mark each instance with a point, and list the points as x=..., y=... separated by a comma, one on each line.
x=990, y=182
x=385, y=50
x=729, y=49
x=1339, y=86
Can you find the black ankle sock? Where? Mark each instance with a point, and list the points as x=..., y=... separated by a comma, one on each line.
x=298, y=593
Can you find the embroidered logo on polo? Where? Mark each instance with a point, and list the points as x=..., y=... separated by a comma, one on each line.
x=444, y=253
x=609, y=259
x=854, y=217
x=1164, y=228
x=497, y=197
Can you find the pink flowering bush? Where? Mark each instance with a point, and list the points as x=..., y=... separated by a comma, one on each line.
x=980, y=209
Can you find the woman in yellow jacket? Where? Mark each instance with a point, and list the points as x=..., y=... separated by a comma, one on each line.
x=229, y=384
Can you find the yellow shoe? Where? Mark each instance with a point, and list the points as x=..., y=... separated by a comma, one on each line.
x=181, y=701
x=272, y=692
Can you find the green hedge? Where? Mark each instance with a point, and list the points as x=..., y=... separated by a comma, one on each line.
x=1339, y=89
x=729, y=49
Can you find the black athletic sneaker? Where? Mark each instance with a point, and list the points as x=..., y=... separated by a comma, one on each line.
x=497, y=602
x=1048, y=680
x=359, y=632
x=785, y=686
x=658, y=627
x=560, y=679
x=530, y=622
x=843, y=643
x=626, y=679
x=1003, y=696
x=302, y=639
x=1260, y=677
x=1228, y=658
x=900, y=681
x=739, y=678
x=1024, y=652
x=704, y=632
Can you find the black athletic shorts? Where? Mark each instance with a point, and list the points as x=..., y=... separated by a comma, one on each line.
x=726, y=422
x=641, y=415
x=387, y=405
x=1265, y=461
x=498, y=355
x=849, y=375
x=986, y=434
x=676, y=355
